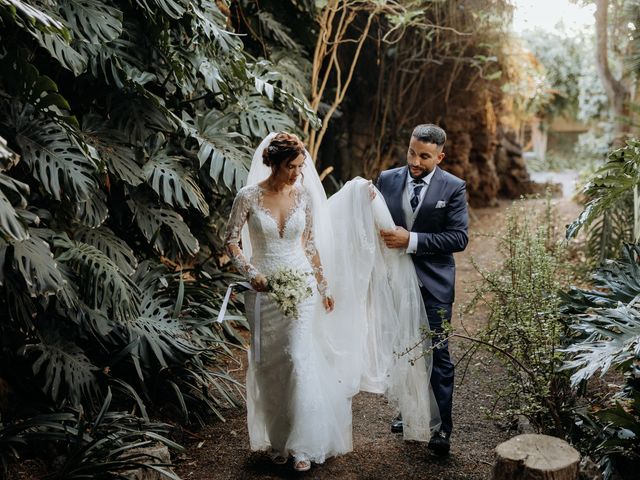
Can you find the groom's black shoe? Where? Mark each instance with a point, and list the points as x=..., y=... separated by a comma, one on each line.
x=396, y=425
x=439, y=443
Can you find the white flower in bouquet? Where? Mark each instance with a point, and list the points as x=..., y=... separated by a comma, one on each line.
x=288, y=287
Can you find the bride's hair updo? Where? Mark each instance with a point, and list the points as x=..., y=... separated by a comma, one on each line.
x=284, y=147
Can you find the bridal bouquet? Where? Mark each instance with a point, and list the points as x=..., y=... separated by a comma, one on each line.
x=288, y=288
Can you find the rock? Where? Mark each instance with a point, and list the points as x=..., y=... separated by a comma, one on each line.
x=160, y=454
x=536, y=457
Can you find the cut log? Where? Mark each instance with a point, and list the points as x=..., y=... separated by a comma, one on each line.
x=536, y=457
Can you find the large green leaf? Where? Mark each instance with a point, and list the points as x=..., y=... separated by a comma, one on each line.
x=23, y=81
x=22, y=307
x=111, y=245
x=8, y=158
x=60, y=49
x=152, y=221
x=32, y=258
x=33, y=17
x=68, y=372
x=173, y=8
x=120, y=62
x=101, y=282
x=227, y=158
x=160, y=339
x=285, y=83
x=614, y=180
x=257, y=118
x=208, y=19
x=606, y=318
x=142, y=116
x=93, y=211
x=56, y=159
x=173, y=183
x=114, y=150
x=11, y=224
x=92, y=19
x=278, y=31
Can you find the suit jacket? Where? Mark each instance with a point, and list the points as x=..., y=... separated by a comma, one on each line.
x=441, y=231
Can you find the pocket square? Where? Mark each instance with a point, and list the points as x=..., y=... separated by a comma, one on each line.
x=441, y=204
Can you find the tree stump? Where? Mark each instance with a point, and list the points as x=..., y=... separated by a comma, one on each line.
x=536, y=457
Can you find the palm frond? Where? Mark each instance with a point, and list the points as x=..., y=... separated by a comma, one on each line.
x=171, y=180
x=226, y=152
x=8, y=158
x=208, y=19
x=172, y=8
x=33, y=260
x=93, y=20
x=278, y=31
x=114, y=149
x=614, y=180
x=112, y=246
x=32, y=17
x=257, y=118
x=103, y=285
x=68, y=372
x=57, y=160
x=152, y=221
x=11, y=224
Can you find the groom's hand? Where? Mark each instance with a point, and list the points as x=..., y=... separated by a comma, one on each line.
x=395, y=238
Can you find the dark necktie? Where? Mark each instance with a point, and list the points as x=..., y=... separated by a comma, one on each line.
x=415, y=199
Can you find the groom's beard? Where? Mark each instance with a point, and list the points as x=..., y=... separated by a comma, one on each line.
x=424, y=172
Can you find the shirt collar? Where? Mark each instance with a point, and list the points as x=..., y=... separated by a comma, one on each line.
x=426, y=179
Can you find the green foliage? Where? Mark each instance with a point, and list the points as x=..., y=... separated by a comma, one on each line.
x=610, y=211
x=561, y=56
x=606, y=325
x=525, y=329
x=124, y=127
x=105, y=448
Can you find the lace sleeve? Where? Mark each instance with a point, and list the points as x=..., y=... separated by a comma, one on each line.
x=312, y=252
x=237, y=219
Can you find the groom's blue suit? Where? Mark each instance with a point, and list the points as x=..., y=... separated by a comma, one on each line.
x=441, y=223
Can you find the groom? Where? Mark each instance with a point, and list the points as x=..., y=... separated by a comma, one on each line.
x=429, y=208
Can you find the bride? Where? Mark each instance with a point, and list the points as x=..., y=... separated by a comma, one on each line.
x=304, y=369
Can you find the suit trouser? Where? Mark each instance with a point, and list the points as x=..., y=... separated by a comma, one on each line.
x=443, y=368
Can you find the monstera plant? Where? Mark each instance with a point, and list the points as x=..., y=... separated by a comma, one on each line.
x=125, y=127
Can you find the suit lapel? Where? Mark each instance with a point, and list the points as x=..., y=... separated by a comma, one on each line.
x=434, y=193
x=394, y=201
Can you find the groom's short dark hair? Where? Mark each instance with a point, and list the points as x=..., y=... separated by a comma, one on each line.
x=430, y=133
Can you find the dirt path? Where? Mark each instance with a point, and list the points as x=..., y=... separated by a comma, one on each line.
x=379, y=454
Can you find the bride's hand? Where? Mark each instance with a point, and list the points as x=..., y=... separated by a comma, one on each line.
x=328, y=303
x=259, y=283
x=372, y=191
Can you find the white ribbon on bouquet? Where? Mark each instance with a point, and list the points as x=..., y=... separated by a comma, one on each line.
x=255, y=334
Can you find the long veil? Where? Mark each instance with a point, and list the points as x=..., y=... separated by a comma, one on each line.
x=378, y=307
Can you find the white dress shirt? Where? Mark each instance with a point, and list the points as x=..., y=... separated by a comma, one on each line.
x=413, y=236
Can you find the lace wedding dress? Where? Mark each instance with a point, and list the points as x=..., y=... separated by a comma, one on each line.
x=296, y=406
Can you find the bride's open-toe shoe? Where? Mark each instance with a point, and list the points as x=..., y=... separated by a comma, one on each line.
x=277, y=457
x=301, y=464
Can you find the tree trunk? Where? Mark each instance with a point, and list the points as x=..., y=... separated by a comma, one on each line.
x=539, y=138
x=618, y=93
x=536, y=457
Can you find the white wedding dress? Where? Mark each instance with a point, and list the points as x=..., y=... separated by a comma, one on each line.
x=295, y=405
x=303, y=372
